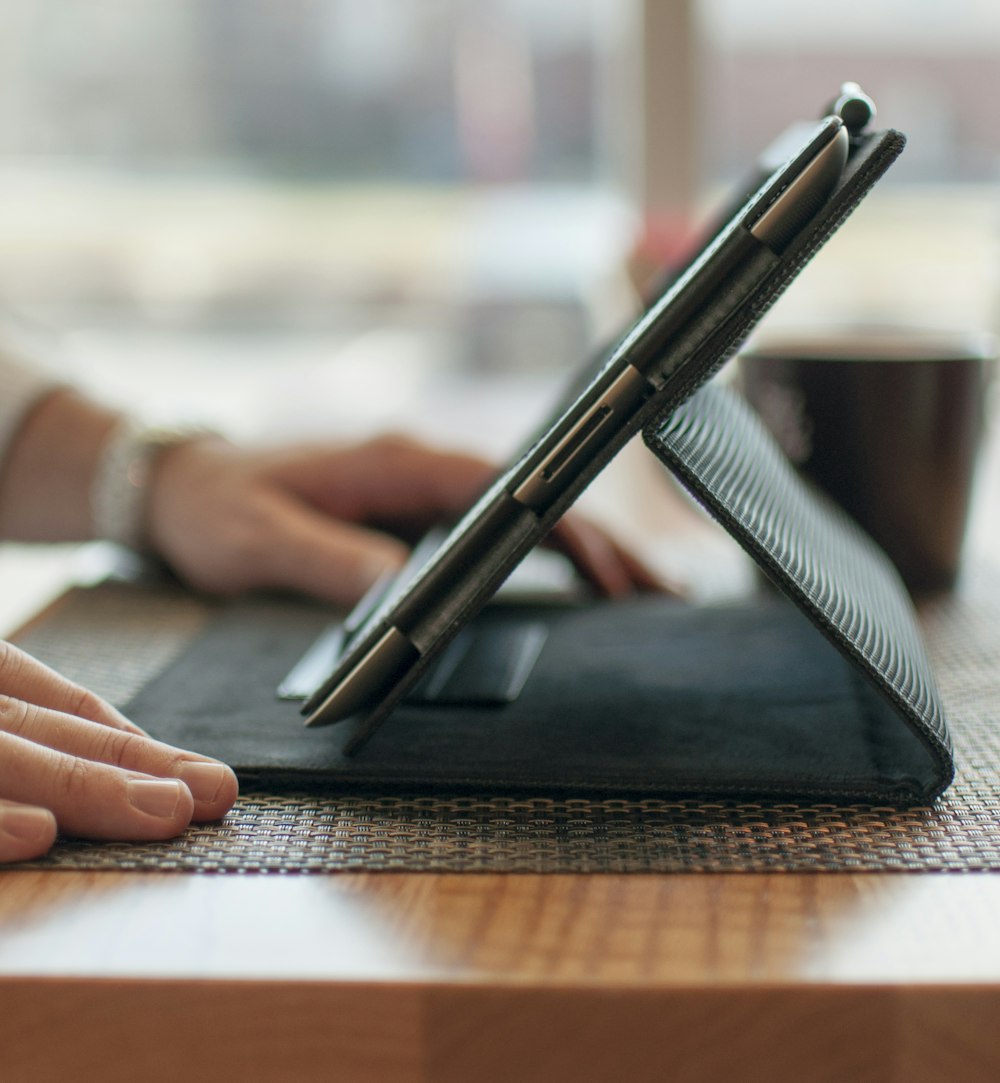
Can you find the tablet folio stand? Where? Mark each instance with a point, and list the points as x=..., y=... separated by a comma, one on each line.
x=829, y=697
x=818, y=689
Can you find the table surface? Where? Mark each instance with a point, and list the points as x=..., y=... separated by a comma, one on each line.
x=409, y=976
x=386, y=976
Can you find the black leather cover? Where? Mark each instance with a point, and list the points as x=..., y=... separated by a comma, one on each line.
x=823, y=693
x=651, y=696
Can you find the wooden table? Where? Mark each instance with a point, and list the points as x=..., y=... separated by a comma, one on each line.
x=462, y=977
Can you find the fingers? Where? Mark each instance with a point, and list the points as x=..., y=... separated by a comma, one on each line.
x=91, y=799
x=70, y=763
x=431, y=484
x=338, y=561
x=324, y=557
x=608, y=566
x=25, y=678
x=400, y=482
x=26, y=831
x=211, y=785
x=392, y=480
x=312, y=519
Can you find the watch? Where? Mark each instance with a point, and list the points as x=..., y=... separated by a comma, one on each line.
x=120, y=490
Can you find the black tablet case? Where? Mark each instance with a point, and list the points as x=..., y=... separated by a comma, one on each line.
x=817, y=689
x=695, y=354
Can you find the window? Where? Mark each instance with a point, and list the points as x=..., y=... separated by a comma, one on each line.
x=930, y=66
x=213, y=165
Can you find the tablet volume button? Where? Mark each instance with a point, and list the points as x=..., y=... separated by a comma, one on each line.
x=595, y=428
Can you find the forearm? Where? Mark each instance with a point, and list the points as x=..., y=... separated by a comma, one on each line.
x=47, y=474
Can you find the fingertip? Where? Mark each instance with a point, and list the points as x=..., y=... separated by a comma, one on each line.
x=381, y=563
x=595, y=556
x=165, y=806
x=613, y=584
x=26, y=832
x=647, y=581
x=611, y=567
x=331, y=559
x=673, y=588
x=359, y=573
x=213, y=786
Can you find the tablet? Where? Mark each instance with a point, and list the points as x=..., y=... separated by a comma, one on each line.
x=673, y=348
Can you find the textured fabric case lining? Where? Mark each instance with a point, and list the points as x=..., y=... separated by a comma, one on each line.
x=814, y=553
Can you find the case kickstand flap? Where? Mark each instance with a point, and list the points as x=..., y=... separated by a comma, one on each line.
x=817, y=556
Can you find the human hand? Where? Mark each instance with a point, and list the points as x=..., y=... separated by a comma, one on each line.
x=329, y=521
x=71, y=763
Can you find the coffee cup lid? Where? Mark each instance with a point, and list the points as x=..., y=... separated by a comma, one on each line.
x=876, y=343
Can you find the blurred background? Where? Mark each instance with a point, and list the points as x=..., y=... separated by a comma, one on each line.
x=194, y=192
x=327, y=217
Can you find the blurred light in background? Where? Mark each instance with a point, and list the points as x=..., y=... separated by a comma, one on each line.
x=306, y=164
x=438, y=91
x=934, y=69
x=248, y=182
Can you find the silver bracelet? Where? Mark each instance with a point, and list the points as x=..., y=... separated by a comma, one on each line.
x=119, y=493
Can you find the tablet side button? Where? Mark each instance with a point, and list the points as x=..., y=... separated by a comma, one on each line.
x=597, y=426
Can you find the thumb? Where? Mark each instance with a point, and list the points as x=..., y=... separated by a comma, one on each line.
x=26, y=831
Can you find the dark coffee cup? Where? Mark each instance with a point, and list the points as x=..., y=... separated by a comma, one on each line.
x=888, y=423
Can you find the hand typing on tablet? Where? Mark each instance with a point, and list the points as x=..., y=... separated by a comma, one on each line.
x=328, y=521
x=323, y=520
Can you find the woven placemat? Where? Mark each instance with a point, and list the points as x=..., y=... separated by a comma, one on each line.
x=116, y=636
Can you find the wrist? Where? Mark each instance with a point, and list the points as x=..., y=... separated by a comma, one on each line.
x=46, y=474
x=121, y=490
